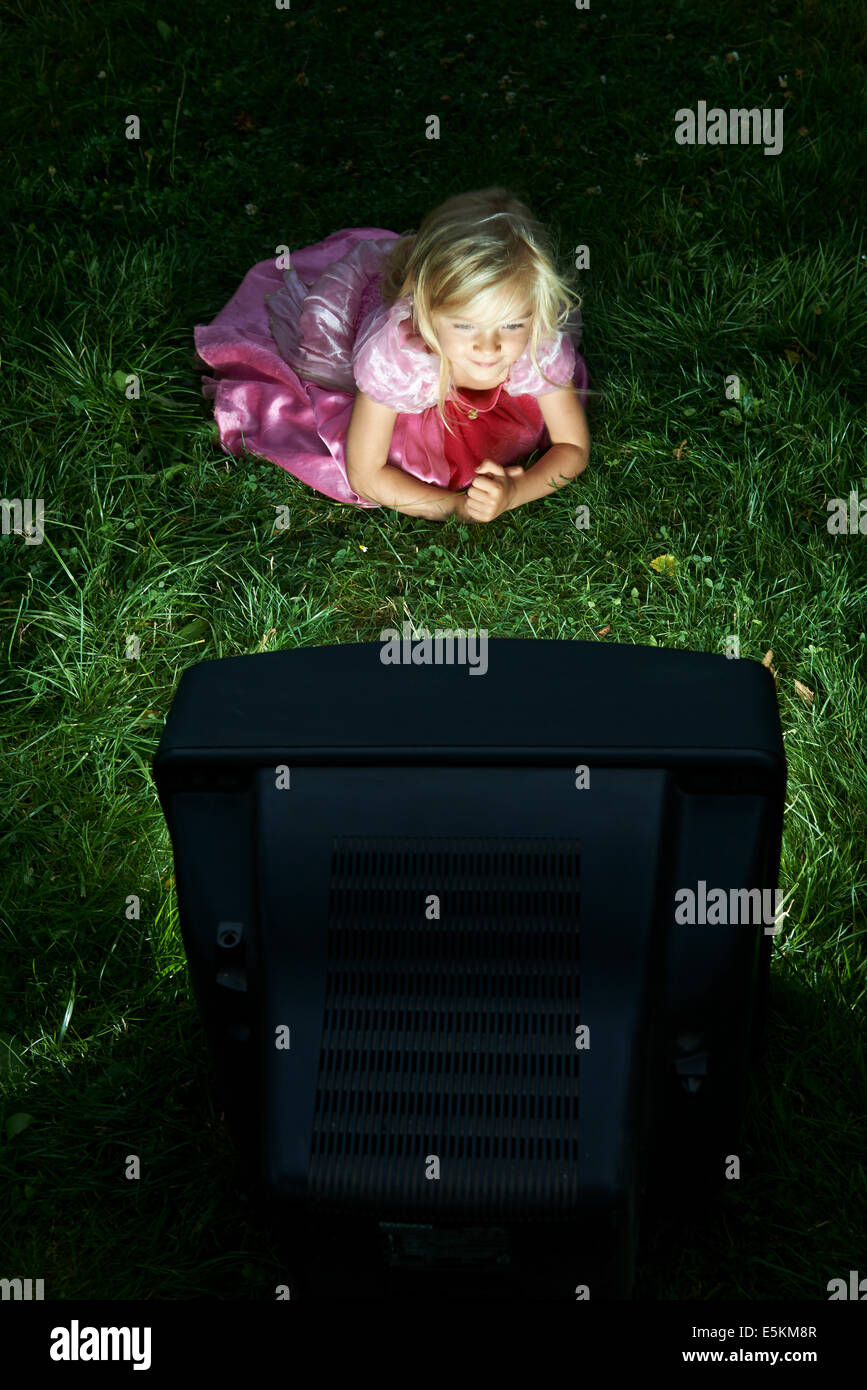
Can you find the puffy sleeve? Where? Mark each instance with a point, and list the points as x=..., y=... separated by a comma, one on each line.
x=314, y=325
x=556, y=357
x=393, y=365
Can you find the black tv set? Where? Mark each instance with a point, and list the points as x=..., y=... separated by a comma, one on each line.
x=439, y=931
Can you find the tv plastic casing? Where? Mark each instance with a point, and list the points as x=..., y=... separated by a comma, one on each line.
x=429, y=917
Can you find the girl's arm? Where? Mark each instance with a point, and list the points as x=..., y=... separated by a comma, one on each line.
x=375, y=479
x=570, y=448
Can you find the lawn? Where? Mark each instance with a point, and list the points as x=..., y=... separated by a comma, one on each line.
x=708, y=501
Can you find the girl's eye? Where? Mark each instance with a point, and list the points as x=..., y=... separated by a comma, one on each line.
x=508, y=325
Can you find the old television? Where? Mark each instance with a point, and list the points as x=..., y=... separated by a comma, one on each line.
x=446, y=906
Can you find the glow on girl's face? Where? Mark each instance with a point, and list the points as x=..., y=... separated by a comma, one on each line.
x=478, y=341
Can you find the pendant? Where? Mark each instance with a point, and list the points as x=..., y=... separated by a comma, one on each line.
x=472, y=414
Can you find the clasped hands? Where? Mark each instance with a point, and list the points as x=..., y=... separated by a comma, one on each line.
x=490, y=493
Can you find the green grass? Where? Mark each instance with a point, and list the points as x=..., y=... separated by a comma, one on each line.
x=705, y=262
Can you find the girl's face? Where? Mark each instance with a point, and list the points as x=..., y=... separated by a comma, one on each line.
x=479, y=341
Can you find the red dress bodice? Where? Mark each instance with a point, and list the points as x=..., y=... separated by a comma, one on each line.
x=499, y=419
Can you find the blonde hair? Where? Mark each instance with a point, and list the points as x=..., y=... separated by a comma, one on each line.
x=467, y=250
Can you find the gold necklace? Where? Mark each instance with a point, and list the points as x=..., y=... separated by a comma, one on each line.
x=474, y=414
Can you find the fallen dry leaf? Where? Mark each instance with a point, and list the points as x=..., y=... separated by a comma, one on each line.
x=795, y=349
x=805, y=692
x=665, y=564
x=766, y=661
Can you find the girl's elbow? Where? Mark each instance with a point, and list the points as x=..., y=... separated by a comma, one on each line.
x=362, y=482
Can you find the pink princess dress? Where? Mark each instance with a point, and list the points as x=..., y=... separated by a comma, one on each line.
x=290, y=348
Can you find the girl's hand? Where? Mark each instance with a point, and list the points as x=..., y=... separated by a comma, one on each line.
x=490, y=493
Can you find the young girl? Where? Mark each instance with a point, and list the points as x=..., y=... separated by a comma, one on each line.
x=409, y=371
